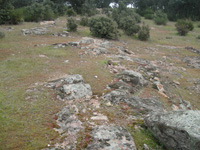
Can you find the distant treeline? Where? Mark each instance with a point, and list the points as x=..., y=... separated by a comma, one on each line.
x=16, y=11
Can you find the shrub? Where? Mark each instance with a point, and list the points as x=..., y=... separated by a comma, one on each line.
x=104, y=27
x=40, y=11
x=2, y=35
x=198, y=37
x=71, y=25
x=71, y=12
x=129, y=25
x=198, y=25
x=190, y=25
x=148, y=13
x=84, y=21
x=144, y=33
x=160, y=18
x=183, y=27
x=89, y=8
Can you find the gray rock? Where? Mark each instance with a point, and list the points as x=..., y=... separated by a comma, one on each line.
x=71, y=87
x=176, y=130
x=98, y=51
x=111, y=138
x=193, y=62
x=68, y=122
x=37, y=31
x=135, y=78
x=86, y=41
x=193, y=50
x=77, y=91
x=73, y=79
x=143, y=106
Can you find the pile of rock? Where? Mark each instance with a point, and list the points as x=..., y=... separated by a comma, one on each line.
x=37, y=31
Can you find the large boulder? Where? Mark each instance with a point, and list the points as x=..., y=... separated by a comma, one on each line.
x=111, y=138
x=178, y=130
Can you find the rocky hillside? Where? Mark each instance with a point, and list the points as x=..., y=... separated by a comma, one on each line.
x=71, y=91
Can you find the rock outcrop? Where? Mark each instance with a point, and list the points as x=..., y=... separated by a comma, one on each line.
x=72, y=87
x=177, y=129
x=111, y=138
x=37, y=31
x=144, y=106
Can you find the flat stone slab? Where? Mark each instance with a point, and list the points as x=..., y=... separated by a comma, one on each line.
x=176, y=129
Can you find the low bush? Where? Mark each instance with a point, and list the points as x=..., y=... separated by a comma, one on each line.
x=129, y=26
x=103, y=27
x=148, y=13
x=71, y=25
x=160, y=18
x=2, y=35
x=183, y=27
x=40, y=11
x=84, y=21
x=198, y=25
x=144, y=33
x=190, y=25
x=71, y=12
x=198, y=37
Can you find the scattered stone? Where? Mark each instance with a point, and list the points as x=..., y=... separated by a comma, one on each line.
x=9, y=28
x=100, y=117
x=63, y=34
x=60, y=45
x=193, y=50
x=43, y=56
x=176, y=82
x=66, y=61
x=37, y=31
x=111, y=138
x=145, y=147
x=176, y=129
x=193, y=62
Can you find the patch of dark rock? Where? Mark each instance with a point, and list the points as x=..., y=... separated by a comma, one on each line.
x=72, y=87
x=193, y=50
x=143, y=106
x=111, y=138
x=133, y=78
x=123, y=86
x=177, y=129
x=193, y=62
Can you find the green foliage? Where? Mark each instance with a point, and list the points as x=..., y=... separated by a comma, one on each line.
x=71, y=25
x=198, y=37
x=190, y=25
x=175, y=9
x=104, y=27
x=8, y=15
x=122, y=12
x=89, y=8
x=148, y=13
x=40, y=11
x=144, y=33
x=129, y=25
x=198, y=25
x=182, y=27
x=2, y=35
x=84, y=21
x=160, y=18
x=71, y=12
